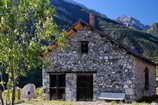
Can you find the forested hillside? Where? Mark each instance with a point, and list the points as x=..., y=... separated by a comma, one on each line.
x=68, y=13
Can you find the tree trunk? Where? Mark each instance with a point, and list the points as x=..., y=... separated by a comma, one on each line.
x=13, y=92
x=2, y=89
x=1, y=98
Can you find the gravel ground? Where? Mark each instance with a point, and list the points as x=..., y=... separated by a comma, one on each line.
x=87, y=103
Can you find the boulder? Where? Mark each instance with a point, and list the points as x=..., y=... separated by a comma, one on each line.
x=28, y=91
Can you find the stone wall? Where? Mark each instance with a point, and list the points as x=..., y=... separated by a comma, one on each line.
x=117, y=77
x=113, y=66
x=140, y=79
x=45, y=80
x=71, y=86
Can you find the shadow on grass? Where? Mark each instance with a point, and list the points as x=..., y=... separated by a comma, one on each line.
x=149, y=99
x=20, y=102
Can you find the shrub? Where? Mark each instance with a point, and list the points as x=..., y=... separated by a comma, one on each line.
x=39, y=92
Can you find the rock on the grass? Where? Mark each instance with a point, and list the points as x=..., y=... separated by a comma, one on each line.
x=28, y=91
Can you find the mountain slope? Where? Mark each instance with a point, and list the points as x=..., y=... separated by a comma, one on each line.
x=153, y=29
x=70, y=13
x=133, y=23
x=129, y=21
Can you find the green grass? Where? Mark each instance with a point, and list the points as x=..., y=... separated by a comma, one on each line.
x=46, y=102
x=41, y=102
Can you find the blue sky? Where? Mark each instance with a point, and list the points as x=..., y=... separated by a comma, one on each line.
x=144, y=10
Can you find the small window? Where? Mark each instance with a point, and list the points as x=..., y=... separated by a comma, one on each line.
x=84, y=47
x=146, y=79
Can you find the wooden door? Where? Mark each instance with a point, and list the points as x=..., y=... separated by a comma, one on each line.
x=85, y=87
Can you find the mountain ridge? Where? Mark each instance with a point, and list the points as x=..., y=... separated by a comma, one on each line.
x=140, y=42
x=130, y=21
x=133, y=23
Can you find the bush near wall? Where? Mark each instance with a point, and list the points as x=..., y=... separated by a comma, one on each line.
x=39, y=92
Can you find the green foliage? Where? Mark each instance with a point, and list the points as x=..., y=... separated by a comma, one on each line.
x=20, y=41
x=23, y=24
x=39, y=92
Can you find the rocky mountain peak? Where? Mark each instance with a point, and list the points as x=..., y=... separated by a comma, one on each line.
x=153, y=29
x=130, y=21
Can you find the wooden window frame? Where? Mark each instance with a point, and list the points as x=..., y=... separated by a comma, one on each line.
x=57, y=88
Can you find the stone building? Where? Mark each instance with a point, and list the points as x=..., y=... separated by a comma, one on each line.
x=93, y=66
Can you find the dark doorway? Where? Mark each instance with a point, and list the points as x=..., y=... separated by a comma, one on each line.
x=146, y=83
x=85, y=87
x=57, y=86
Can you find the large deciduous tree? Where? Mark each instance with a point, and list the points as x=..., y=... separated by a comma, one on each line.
x=23, y=25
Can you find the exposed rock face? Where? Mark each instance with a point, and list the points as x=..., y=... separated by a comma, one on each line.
x=129, y=21
x=153, y=29
x=114, y=70
x=28, y=91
